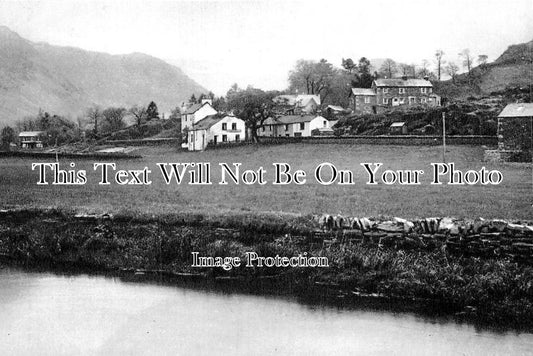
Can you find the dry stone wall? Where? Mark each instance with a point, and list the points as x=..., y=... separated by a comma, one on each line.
x=479, y=237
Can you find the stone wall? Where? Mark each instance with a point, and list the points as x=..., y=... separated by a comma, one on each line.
x=407, y=140
x=479, y=237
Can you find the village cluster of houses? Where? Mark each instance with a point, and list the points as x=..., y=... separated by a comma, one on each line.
x=299, y=115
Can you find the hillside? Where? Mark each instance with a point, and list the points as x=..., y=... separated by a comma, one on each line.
x=513, y=69
x=66, y=80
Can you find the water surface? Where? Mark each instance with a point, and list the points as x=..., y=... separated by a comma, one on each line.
x=49, y=314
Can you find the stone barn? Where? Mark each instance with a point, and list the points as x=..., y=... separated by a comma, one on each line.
x=515, y=129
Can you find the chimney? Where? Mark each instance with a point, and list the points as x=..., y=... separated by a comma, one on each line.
x=404, y=77
x=426, y=77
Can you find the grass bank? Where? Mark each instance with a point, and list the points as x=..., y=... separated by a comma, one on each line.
x=490, y=291
x=510, y=200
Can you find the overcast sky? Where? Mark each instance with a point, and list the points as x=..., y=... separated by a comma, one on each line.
x=257, y=42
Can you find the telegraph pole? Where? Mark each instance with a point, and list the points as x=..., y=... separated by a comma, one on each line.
x=443, y=137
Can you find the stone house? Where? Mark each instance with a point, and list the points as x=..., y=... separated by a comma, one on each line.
x=515, y=131
x=294, y=126
x=31, y=139
x=404, y=91
x=215, y=129
x=363, y=101
x=389, y=93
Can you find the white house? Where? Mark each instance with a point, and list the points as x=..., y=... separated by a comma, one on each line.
x=294, y=126
x=31, y=139
x=195, y=113
x=215, y=130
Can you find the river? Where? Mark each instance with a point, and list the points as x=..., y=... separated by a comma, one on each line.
x=51, y=314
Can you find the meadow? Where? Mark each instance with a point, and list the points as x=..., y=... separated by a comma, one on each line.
x=511, y=199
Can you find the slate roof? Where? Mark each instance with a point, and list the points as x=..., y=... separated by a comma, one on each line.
x=30, y=133
x=397, y=124
x=290, y=119
x=363, y=91
x=517, y=110
x=194, y=108
x=399, y=82
x=206, y=122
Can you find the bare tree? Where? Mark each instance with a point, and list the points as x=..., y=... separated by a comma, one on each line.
x=467, y=60
x=94, y=114
x=388, y=68
x=424, y=70
x=438, y=55
x=452, y=69
x=139, y=113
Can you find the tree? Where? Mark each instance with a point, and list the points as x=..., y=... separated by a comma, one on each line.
x=94, y=114
x=192, y=100
x=151, y=111
x=113, y=118
x=424, y=70
x=175, y=114
x=452, y=69
x=482, y=60
x=467, y=60
x=438, y=55
x=139, y=113
x=253, y=106
x=349, y=65
x=388, y=68
x=364, y=66
x=311, y=77
x=6, y=137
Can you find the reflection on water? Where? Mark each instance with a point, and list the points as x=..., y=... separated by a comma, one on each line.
x=42, y=313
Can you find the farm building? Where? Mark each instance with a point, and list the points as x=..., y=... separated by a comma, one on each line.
x=31, y=139
x=398, y=128
x=215, y=130
x=515, y=130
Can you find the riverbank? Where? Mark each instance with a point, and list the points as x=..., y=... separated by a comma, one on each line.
x=490, y=291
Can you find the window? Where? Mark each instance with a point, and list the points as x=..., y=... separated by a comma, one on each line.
x=224, y=126
x=215, y=139
x=237, y=138
x=385, y=90
x=302, y=125
x=367, y=100
x=234, y=126
x=401, y=90
x=423, y=90
x=224, y=138
x=263, y=128
x=286, y=127
x=402, y=100
x=430, y=90
x=423, y=100
x=297, y=134
x=385, y=101
x=325, y=123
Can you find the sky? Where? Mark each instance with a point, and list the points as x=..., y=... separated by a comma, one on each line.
x=218, y=43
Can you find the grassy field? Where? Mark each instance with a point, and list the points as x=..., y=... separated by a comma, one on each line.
x=512, y=199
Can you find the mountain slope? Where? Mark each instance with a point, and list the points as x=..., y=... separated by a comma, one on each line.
x=66, y=80
x=513, y=69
